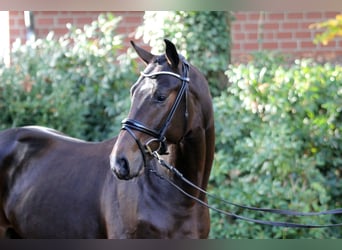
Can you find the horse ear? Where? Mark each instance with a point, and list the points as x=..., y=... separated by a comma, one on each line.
x=143, y=54
x=171, y=54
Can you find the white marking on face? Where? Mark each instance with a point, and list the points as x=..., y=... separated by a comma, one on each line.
x=147, y=87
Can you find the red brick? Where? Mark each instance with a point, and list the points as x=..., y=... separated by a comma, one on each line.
x=313, y=15
x=289, y=26
x=288, y=45
x=47, y=13
x=65, y=20
x=60, y=31
x=15, y=32
x=17, y=20
x=271, y=26
x=81, y=21
x=283, y=35
x=240, y=16
x=295, y=15
x=133, y=19
x=44, y=21
x=276, y=16
x=252, y=36
x=57, y=32
x=121, y=30
x=252, y=16
x=270, y=45
x=269, y=35
x=330, y=15
x=303, y=34
x=250, y=27
x=238, y=36
x=305, y=24
x=16, y=13
x=236, y=26
x=307, y=45
x=21, y=22
x=12, y=22
x=250, y=46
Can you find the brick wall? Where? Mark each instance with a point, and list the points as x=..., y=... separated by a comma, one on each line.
x=17, y=25
x=45, y=21
x=283, y=31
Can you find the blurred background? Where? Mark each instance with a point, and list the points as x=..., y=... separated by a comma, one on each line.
x=275, y=79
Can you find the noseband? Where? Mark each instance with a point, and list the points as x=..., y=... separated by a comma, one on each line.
x=159, y=135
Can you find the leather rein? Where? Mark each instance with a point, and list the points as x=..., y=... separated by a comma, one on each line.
x=236, y=216
x=159, y=136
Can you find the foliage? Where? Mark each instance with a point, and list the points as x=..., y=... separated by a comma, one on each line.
x=203, y=37
x=77, y=84
x=279, y=145
x=23, y=102
x=333, y=28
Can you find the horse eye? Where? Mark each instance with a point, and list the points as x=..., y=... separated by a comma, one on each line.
x=161, y=98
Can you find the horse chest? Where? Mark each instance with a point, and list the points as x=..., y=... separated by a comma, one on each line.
x=151, y=215
x=159, y=221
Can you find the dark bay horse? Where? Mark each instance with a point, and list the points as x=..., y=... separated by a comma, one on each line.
x=55, y=186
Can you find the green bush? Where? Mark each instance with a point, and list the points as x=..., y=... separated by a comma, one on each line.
x=203, y=37
x=278, y=145
x=77, y=84
x=24, y=102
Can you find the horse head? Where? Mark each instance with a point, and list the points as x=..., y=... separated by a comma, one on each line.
x=164, y=108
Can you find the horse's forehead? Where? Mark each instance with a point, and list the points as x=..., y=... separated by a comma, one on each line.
x=159, y=63
x=147, y=85
x=143, y=85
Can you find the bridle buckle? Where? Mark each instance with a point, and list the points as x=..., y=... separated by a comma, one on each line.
x=151, y=149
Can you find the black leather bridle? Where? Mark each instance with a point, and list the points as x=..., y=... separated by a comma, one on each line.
x=159, y=135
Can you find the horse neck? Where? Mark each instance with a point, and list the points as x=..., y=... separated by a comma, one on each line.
x=196, y=150
x=193, y=158
x=193, y=155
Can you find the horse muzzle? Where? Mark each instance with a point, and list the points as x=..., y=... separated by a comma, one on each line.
x=126, y=161
x=120, y=168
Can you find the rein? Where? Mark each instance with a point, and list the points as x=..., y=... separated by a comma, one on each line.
x=236, y=216
x=159, y=136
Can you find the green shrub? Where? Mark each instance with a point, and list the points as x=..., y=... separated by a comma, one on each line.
x=31, y=94
x=77, y=84
x=203, y=37
x=279, y=145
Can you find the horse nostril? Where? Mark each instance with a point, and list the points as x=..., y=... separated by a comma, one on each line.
x=122, y=168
